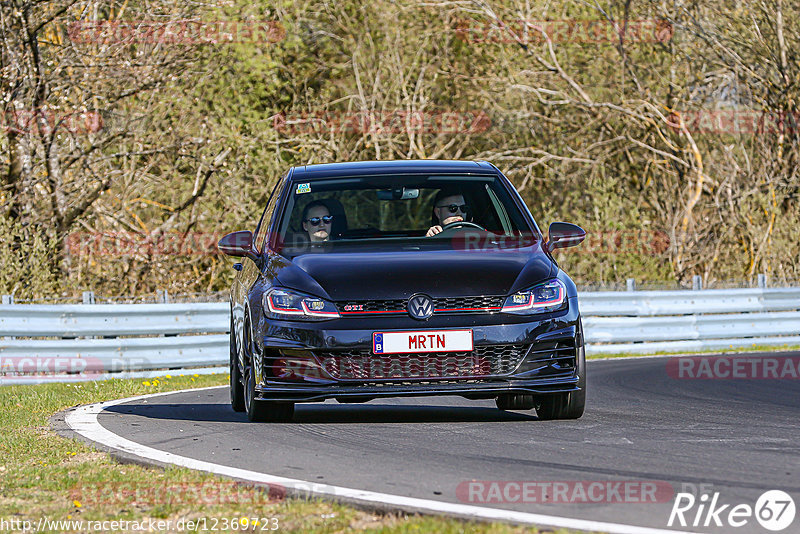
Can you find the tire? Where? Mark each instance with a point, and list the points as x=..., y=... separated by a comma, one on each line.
x=515, y=401
x=236, y=386
x=568, y=405
x=259, y=411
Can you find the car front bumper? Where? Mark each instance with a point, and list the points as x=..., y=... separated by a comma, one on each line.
x=544, y=368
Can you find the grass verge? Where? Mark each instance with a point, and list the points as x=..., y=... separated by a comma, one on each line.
x=44, y=475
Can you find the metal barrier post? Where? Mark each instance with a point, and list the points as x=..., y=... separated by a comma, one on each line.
x=697, y=282
x=7, y=300
x=88, y=297
x=631, y=284
x=762, y=280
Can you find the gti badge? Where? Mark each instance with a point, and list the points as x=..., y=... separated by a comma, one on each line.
x=420, y=306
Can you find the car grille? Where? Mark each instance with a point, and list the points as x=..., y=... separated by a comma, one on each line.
x=468, y=303
x=372, y=306
x=483, y=361
x=441, y=305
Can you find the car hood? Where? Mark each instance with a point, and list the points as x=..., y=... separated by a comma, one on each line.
x=393, y=275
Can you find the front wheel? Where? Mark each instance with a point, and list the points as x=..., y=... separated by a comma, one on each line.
x=236, y=386
x=264, y=411
x=568, y=405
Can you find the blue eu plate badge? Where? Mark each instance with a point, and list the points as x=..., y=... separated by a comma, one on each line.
x=377, y=343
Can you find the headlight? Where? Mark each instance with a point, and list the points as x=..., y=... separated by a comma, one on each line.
x=541, y=298
x=288, y=304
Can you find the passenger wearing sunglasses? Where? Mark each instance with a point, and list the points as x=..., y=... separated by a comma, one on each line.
x=317, y=220
x=448, y=207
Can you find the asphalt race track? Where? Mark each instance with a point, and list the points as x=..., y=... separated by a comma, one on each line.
x=736, y=437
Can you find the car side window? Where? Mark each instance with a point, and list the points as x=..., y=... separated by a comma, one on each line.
x=262, y=231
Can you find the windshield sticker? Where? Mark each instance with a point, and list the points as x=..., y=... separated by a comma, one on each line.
x=303, y=188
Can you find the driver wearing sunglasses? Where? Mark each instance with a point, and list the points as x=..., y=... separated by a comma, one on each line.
x=317, y=220
x=448, y=207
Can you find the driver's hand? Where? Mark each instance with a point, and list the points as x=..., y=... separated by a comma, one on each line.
x=433, y=230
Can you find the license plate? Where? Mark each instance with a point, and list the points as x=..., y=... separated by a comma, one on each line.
x=422, y=341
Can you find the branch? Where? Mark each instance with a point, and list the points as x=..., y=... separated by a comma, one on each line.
x=198, y=192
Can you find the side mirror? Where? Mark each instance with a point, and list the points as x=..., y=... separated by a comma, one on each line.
x=239, y=244
x=563, y=235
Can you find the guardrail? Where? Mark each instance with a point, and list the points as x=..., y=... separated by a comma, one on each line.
x=115, y=320
x=687, y=321
x=89, y=341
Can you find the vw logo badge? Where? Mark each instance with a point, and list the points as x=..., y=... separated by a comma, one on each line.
x=420, y=307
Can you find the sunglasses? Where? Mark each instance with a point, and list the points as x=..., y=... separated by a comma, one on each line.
x=315, y=221
x=455, y=207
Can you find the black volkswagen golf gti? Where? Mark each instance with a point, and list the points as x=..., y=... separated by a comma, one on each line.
x=402, y=278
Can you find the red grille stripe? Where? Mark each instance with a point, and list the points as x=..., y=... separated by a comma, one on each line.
x=362, y=312
x=439, y=310
x=467, y=309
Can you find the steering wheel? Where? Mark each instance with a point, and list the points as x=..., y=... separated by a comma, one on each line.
x=459, y=224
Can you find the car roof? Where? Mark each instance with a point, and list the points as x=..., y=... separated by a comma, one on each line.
x=367, y=168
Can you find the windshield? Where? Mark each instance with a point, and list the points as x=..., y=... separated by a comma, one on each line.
x=392, y=212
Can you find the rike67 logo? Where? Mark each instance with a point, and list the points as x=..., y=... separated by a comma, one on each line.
x=774, y=510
